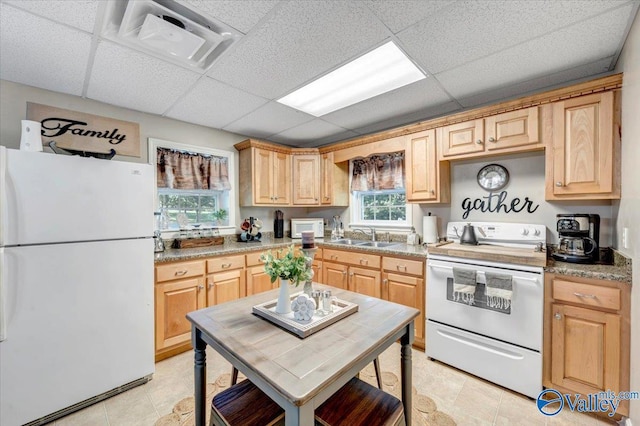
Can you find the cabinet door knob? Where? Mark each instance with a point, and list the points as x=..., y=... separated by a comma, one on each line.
x=492, y=139
x=344, y=272
x=210, y=284
x=558, y=183
x=385, y=281
x=557, y=316
x=351, y=274
x=200, y=287
x=432, y=191
x=479, y=141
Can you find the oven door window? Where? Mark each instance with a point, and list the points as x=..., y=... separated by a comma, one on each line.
x=479, y=299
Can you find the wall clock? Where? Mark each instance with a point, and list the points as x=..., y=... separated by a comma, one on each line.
x=493, y=177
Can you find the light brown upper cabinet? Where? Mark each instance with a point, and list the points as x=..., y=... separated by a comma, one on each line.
x=582, y=159
x=277, y=175
x=427, y=179
x=504, y=133
x=334, y=181
x=265, y=177
x=306, y=179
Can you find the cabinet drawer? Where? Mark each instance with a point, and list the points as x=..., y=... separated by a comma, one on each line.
x=225, y=263
x=353, y=258
x=403, y=266
x=176, y=271
x=253, y=259
x=587, y=294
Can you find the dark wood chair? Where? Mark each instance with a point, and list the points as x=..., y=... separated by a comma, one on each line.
x=243, y=404
x=356, y=404
x=359, y=403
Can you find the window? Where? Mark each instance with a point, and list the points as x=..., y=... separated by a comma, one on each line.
x=377, y=191
x=192, y=206
x=384, y=208
x=193, y=185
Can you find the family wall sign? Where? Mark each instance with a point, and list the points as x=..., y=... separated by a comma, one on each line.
x=85, y=132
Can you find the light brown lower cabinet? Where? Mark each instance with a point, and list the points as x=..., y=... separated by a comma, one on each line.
x=586, y=336
x=179, y=290
x=225, y=279
x=335, y=274
x=397, y=279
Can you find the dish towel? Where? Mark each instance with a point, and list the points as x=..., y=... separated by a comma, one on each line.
x=464, y=285
x=499, y=290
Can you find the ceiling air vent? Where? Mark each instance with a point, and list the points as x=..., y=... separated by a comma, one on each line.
x=168, y=30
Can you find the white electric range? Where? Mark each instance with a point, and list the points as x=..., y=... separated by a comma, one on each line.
x=498, y=341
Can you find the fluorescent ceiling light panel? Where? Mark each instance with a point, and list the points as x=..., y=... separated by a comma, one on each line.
x=169, y=38
x=379, y=71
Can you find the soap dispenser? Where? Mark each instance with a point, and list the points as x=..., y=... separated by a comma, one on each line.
x=412, y=238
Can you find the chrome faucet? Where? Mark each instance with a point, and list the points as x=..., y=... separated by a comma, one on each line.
x=371, y=232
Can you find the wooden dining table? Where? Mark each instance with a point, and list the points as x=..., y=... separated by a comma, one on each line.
x=299, y=374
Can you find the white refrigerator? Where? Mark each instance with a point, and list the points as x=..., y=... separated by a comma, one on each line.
x=76, y=282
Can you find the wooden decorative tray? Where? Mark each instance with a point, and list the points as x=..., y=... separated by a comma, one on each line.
x=197, y=242
x=341, y=309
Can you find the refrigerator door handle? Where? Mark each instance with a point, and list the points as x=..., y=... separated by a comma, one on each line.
x=3, y=297
x=3, y=192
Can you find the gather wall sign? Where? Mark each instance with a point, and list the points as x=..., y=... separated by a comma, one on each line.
x=85, y=132
x=496, y=202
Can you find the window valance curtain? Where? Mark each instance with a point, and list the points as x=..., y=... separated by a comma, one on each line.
x=186, y=170
x=376, y=172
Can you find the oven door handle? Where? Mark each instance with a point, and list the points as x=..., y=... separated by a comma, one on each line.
x=515, y=277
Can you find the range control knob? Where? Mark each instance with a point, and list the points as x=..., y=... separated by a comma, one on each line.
x=536, y=232
x=525, y=231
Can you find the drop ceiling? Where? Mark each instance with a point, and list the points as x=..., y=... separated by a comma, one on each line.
x=473, y=53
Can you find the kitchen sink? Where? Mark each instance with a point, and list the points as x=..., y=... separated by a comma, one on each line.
x=377, y=244
x=350, y=242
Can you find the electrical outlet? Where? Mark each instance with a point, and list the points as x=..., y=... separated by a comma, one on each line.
x=625, y=237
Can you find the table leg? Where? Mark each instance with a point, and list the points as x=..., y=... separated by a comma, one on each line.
x=406, y=371
x=299, y=416
x=200, y=377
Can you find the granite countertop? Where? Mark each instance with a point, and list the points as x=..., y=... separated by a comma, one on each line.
x=619, y=271
x=231, y=246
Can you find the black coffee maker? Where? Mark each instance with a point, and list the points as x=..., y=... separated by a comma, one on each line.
x=579, y=238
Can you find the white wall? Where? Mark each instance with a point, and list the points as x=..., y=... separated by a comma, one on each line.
x=526, y=180
x=629, y=205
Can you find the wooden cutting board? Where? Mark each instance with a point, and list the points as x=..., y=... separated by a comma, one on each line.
x=521, y=256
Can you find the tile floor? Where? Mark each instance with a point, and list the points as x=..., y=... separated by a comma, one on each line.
x=467, y=399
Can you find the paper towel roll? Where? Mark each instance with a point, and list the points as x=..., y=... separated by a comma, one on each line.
x=430, y=229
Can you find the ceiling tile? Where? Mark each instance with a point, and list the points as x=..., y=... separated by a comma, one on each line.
x=400, y=14
x=410, y=117
x=133, y=80
x=546, y=82
x=267, y=120
x=295, y=44
x=241, y=15
x=76, y=13
x=214, y=104
x=31, y=44
x=469, y=30
x=414, y=97
x=563, y=49
x=316, y=129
